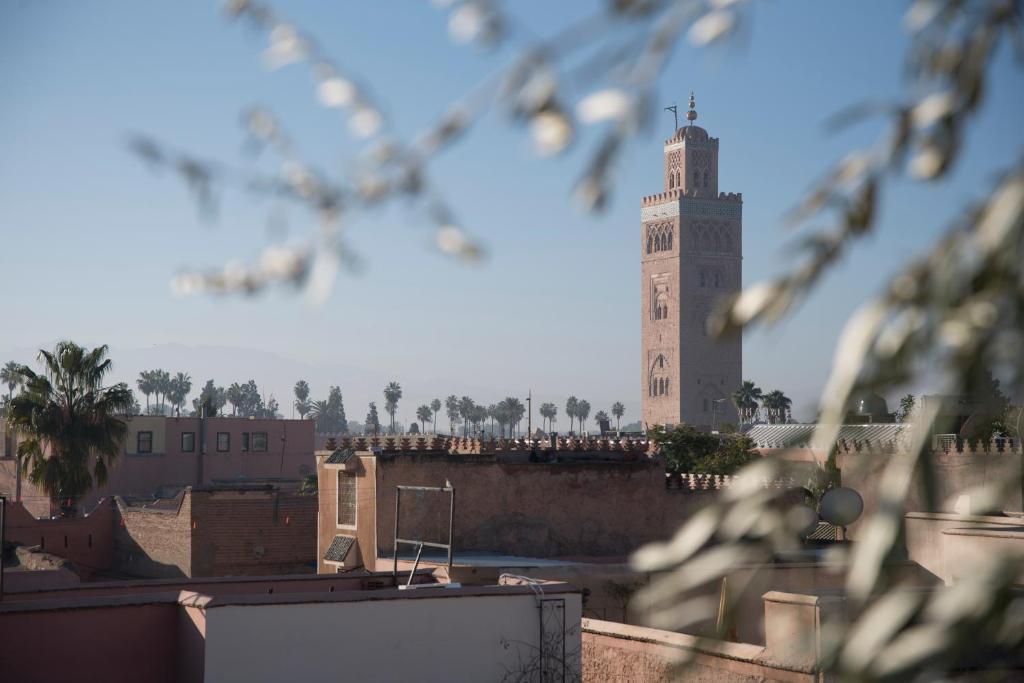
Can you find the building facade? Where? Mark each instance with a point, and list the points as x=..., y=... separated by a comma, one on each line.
x=691, y=241
x=163, y=455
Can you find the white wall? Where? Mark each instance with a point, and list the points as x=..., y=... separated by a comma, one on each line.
x=466, y=638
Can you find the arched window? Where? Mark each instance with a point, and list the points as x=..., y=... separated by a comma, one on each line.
x=705, y=178
x=696, y=178
x=718, y=279
x=671, y=180
x=666, y=385
x=669, y=240
x=650, y=243
x=705, y=241
x=705, y=405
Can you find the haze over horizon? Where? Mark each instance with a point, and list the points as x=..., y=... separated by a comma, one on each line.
x=555, y=307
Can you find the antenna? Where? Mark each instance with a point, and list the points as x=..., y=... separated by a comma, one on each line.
x=675, y=115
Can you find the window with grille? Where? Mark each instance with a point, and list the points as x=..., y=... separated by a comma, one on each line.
x=346, y=499
x=145, y=442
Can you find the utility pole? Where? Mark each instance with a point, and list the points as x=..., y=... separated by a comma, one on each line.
x=529, y=413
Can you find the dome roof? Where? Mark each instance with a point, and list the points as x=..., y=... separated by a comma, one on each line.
x=870, y=404
x=692, y=133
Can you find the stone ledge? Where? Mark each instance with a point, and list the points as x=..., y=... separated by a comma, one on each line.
x=741, y=651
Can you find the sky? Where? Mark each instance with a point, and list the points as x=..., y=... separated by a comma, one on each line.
x=90, y=239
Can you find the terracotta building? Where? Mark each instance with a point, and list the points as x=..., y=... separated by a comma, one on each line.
x=202, y=531
x=162, y=455
x=691, y=250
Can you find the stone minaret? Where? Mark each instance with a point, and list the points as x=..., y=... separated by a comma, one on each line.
x=691, y=251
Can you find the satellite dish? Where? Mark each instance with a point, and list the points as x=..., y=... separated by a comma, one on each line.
x=841, y=507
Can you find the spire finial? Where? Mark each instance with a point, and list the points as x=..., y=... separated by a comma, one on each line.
x=691, y=115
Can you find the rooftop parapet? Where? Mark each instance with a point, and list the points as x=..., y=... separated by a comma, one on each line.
x=475, y=446
x=676, y=193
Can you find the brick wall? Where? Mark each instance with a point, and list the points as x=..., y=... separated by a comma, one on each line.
x=218, y=532
x=532, y=509
x=252, y=533
x=155, y=542
x=86, y=541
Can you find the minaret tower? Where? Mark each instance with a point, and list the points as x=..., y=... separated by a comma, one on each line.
x=691, y=251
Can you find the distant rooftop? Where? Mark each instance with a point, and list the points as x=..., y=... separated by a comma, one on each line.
x=802, y=435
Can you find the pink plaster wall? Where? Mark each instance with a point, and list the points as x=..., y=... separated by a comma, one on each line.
x=87, y=541
x=94, y=644
x=289, y=456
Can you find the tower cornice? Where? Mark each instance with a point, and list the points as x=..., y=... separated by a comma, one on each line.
x=669, y=195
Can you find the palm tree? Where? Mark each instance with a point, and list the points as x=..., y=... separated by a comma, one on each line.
x=70, y=420
x=11, y=376
x=618, y=410
x=318, y=412
x=435, y=408
x=746, y=400
x=514, y=411
x=145, y=385
x=392, y=394
x=503, y=417
x=582, y=411
x=466, y=408
x=492, y=414
x=302, y=398
x=777, y=405
x=480, y=417
x=161, y=385
x=423, y=414
x=571, y=406
x=451, y=406
x=180, y=386
x=547, y=411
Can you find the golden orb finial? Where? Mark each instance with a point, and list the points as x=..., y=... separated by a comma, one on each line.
x=691, y=115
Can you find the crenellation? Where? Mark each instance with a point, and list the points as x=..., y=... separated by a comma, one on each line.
x=489, y=445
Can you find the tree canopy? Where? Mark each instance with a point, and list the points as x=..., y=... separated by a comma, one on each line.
x=687, y=449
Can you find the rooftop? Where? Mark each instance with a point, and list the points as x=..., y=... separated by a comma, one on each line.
x=803, y=435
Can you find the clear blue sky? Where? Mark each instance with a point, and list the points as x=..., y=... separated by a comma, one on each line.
x=90, y=239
